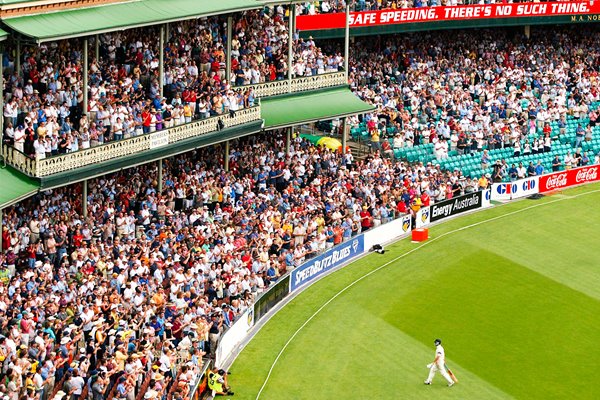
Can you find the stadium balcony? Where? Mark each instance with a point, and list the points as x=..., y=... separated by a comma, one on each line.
x=278, y=103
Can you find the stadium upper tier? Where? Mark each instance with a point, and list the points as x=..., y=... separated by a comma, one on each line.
x=188, y=82
x=438, y=96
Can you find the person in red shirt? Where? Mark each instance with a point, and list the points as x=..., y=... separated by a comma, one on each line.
x=338, y=233
x=365, y=219
x=77, y=238
x=146, y=120
x=5, y=238
x=547, y=129
x=425, y=199
x=401, y=207
x=185, y=96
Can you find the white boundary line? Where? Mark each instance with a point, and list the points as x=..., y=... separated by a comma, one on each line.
x=398, y=258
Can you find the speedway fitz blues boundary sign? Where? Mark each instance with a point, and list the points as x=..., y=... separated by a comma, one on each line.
x=453, y=13
x=327, y=261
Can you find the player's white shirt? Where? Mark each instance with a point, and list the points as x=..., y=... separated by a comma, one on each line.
x=440, y=354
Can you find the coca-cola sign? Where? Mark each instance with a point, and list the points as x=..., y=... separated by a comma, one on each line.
x=587, y=175
x=572, y=177
x=556, y=181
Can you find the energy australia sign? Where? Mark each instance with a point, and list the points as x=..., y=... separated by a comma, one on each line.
x=457, y=205
x=326, y=261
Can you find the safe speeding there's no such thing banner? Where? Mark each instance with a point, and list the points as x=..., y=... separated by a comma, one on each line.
x=454, y=13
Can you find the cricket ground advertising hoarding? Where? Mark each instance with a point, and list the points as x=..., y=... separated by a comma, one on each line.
x=457, y=205
x=327, y=261
x=564, y=179
x=271, y=297
x=234, y=336
x=517, y=189
x=448, y=208
x=454, y=13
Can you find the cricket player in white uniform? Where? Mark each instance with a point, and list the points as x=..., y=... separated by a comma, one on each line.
x=438, y=364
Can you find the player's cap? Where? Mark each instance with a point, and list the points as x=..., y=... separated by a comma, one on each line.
x=437, y=341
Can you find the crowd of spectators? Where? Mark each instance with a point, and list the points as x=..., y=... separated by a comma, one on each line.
x=479, y=89
x=149, y=280
x=131, y=299
x=44, y=112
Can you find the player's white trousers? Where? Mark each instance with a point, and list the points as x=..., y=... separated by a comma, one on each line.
x=439, y=368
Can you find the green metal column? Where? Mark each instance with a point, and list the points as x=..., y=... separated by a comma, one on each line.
x=226, y=158
x=347, y=41
x=1, y=224
x=18, y=58
x=291, y=44
x=228, y=54
x=344, y=134
x=85, y=77
x=161, y=60
x=97, y=48
x=288, y=139
x=84, y=198
x=160, y=176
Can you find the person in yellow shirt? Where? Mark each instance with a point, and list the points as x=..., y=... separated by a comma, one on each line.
x=287, y=227
x=375, y=143
x=320, y=223
x=187, y=113
x=416, y=205
x=42, y=130
x=483, y=182
x=121, y=357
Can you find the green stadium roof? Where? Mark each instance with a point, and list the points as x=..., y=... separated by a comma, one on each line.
x=15, y=186
x=113, y=17
x=296, y=109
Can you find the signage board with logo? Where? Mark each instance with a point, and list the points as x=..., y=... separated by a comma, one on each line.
x=517, y=189
x=454, y=206
x=440, y=14
x=422, y=217
x=564, y=179
x=326, y=261
x=159, y=139
x=487, y=198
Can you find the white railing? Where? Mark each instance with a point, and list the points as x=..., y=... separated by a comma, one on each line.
x=297, y=84
x=123, y=148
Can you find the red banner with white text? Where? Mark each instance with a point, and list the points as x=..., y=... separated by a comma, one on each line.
x=454, y=13
x=571, y=177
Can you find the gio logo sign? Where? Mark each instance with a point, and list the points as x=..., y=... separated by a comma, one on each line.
x=514, y=190
x=507, y=188
x=529, y=184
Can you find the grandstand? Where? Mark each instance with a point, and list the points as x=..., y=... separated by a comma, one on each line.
x=157, y=197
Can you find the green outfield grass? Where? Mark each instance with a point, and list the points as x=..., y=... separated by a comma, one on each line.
x=516, y=301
